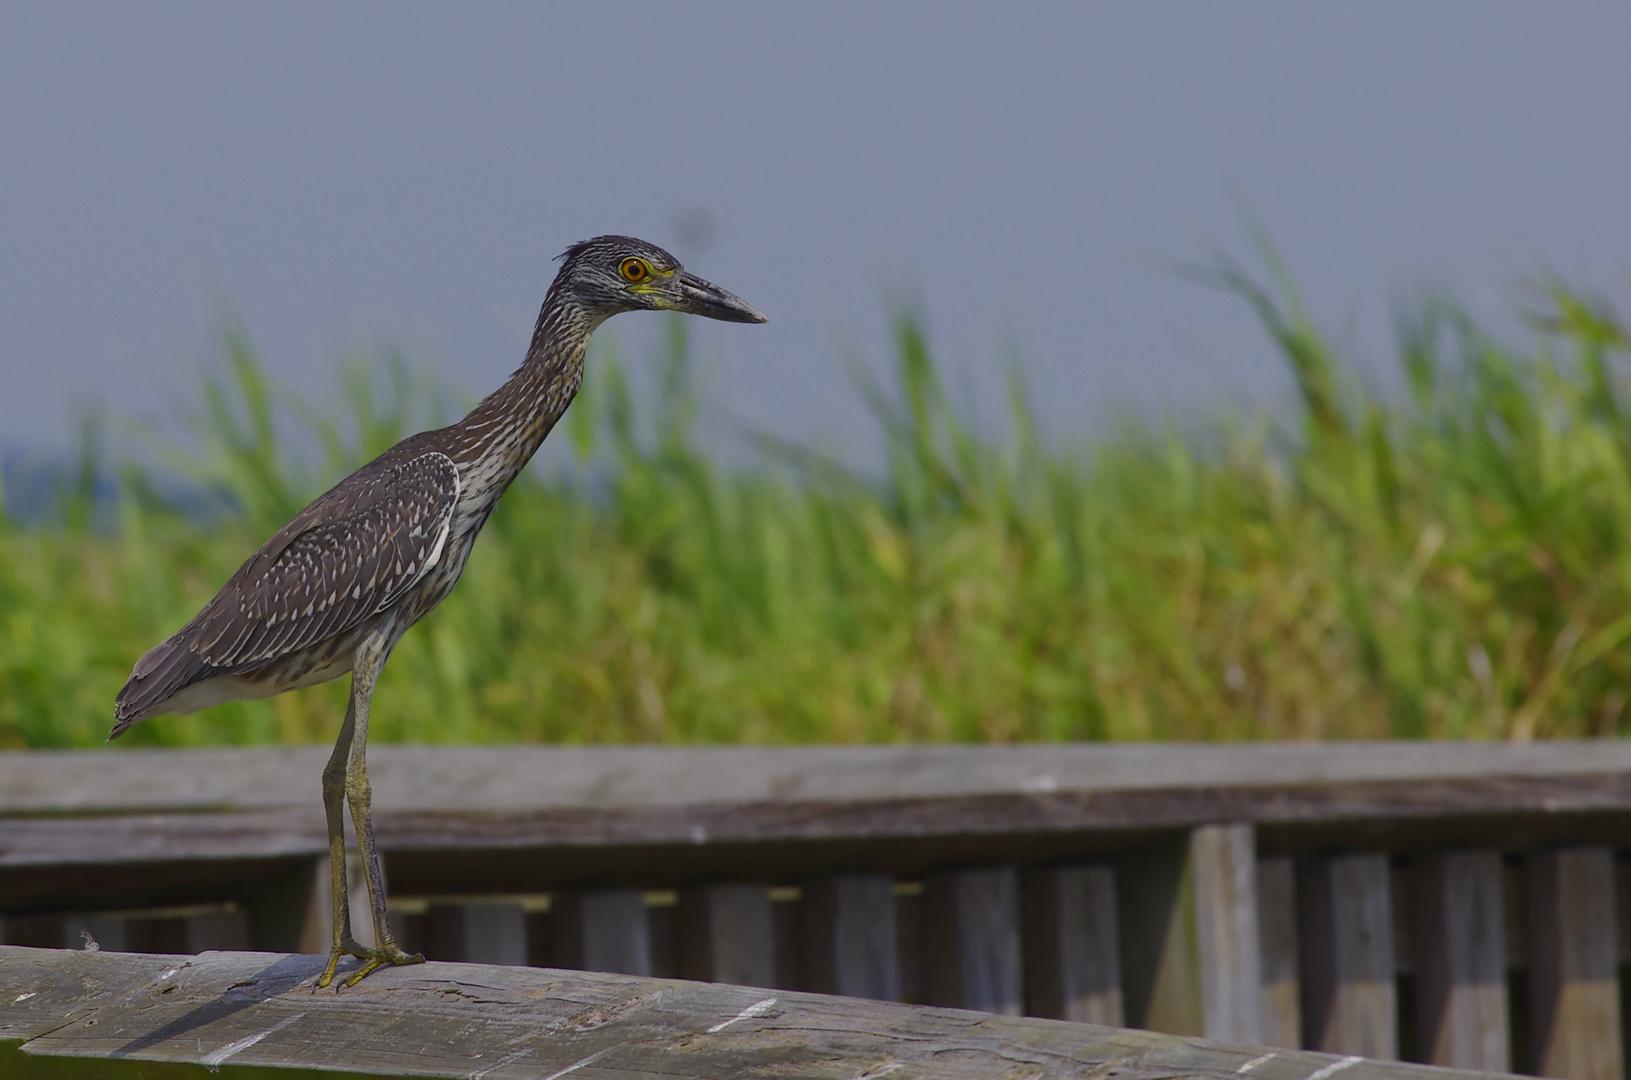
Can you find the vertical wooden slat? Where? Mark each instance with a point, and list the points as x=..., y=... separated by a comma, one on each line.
x=1191, y=955
x=1574, y=992
x=1225, y=858
x=1459, y=941
x=540, y=939
x=1280, y=1011
x=726, y=935
x=662, y=933
x=787, y=935
x=292, y=911
x=972, y=940
x=477, y=933
x=909, y=936
x=850, y=940
x=1622, y=907
x=1160, y=961
x=1072, y=957
x=1349, y=998
x=602, y=930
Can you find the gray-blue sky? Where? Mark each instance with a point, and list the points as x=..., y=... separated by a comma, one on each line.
x=349, y=175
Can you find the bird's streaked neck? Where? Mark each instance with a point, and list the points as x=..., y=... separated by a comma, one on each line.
x=505, y=429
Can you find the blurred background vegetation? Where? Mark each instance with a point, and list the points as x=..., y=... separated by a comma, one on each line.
x=1449, y=561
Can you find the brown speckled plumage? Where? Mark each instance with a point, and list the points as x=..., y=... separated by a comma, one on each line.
x=335, y=589
x=392, y=537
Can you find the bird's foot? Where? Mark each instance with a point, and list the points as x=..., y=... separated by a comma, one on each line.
x=378, y=958
x=349, y=946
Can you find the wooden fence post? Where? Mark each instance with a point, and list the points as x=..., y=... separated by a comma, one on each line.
x=1231, y=966
x=1281, y=1013
x=726, y=935
x=850, y=937
x=1191, y=960
x=972, y=940
x=601, y=930
x=1459, y=934
x=1072, y=956
x=1574, y=991
x=1349, y=998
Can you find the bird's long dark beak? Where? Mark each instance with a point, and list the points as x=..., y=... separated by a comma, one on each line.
x=698, y=297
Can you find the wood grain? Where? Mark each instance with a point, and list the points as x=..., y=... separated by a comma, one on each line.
x=1349, y=999
x=529, y=819
x=971, y=940
x=1459, y=938
x=1072, y=955
x=533, y=777
x=1280, y=1003
x=242, y=1011
x=602, y=930
x=1574, y=991
x=850, y=936
x=726, y=934
x=1225, y=858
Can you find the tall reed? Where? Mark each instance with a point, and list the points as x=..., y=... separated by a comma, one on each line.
x=1453, y=563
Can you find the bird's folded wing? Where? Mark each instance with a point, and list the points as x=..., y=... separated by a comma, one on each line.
x=374, y=539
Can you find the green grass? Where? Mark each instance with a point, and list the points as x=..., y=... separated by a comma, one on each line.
x=1453, y=563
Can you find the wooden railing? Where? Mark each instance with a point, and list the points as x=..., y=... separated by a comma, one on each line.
x=78, y=1014
x=1456, y=904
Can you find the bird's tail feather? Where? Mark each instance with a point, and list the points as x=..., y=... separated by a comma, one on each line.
x=162, y=672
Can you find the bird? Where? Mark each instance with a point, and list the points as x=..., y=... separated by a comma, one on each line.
x=335, y=589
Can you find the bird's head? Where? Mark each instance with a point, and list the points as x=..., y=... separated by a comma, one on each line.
x=610, y=274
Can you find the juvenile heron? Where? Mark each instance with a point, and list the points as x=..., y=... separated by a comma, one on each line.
x=335, y=589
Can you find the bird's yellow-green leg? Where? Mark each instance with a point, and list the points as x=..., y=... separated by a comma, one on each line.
x=334, y=807
x=370, y=659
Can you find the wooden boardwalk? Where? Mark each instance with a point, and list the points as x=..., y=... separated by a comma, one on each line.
x=1464, y=904
x=83, y=1014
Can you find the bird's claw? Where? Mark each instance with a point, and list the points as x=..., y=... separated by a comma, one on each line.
x=379, y=959
x=373, y=960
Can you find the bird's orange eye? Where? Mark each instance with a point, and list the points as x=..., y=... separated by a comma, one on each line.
x=634, y=270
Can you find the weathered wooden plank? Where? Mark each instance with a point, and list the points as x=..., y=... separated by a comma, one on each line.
x=477, y=933
x=1072, y=955
x=1280, y=1011
x=1459, y=939
x=529, y=777
x=248, y=1011
x=850, y=936
x=971, y=936
x=1574, y=993
x=1225, y=858
x=1349, y=997
x=602, y=930
x=726, y=934
x=519, y=820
